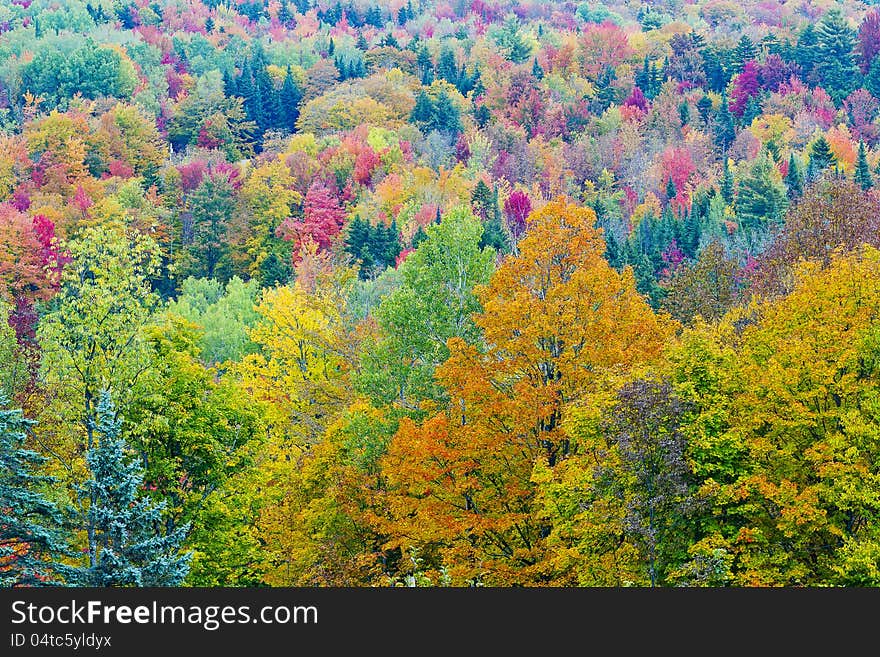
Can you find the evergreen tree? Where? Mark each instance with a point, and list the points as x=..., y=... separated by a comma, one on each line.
x=671, y=191
x=605, y=92
x=725, y=131
x=423, y=113
x=425, y=65
x=806, y=50
x=418, y=237
x=448, y=116
x=752, y=110
x=289, y=99
x=537, y=71
x=373, y=17
x=836, y=65
x=821, y=156
x=745, y=51
x=127, y=542
x=794, y=179
x=727, y=186
x=872, y=79
x=704, y=106
x=483, y=201
x=760, y=200
x=511, y=42
x=494, y=235
x=447, y=68
x=863, y=170
x=31, y=534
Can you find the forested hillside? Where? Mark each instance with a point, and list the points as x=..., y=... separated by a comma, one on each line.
x=416, y=293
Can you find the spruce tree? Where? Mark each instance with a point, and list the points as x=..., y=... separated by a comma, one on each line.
x=794, y=179
x=290, y=97
x=727, y=186
x=424, y=112
x=821, y=155
x=760, y=201
x=704, y=106
x=448, y=116
x=671, y=191
x=863, y=170
x=806, y=50
x=425, y=65
x=872, y=79
x=745, y=51
x=537, y=71
x=31, y=526
x=127, y=541
x=836, y=64
x=725, y=131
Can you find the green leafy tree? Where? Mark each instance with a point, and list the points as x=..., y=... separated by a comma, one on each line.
x=223, y=315
x=434, y=302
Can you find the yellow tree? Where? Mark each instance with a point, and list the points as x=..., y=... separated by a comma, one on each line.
x=809, y=415
x=557, y=322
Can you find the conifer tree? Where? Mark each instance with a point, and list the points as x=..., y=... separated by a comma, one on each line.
x=863, y=170
x=836, y=63
x=725, y=131
x=31, y=533
x=126, y=542
x=290, y=98
x=821, y=156
x=794, y=179
x=727, y=186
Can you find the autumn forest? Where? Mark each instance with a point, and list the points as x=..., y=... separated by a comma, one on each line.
x=439, y=293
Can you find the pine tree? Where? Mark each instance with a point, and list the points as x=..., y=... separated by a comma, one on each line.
x=806, y=50
x=289, y=100
x=31, y=534
x=760, y=201
x=727, y=186
x=128, y=545
x=863, y=170
x=537, y=71
x=725, y=131
x=794, y=179
x=836, y=65
x=821, y=155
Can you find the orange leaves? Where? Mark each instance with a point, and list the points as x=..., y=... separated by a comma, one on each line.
x=556, y=320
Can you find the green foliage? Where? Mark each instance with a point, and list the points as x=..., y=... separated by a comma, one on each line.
x=90, y=70
x=222, y=314
x=761, y=200
x=434, y=302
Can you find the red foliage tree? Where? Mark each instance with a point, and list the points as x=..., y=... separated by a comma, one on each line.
x=323, y=218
